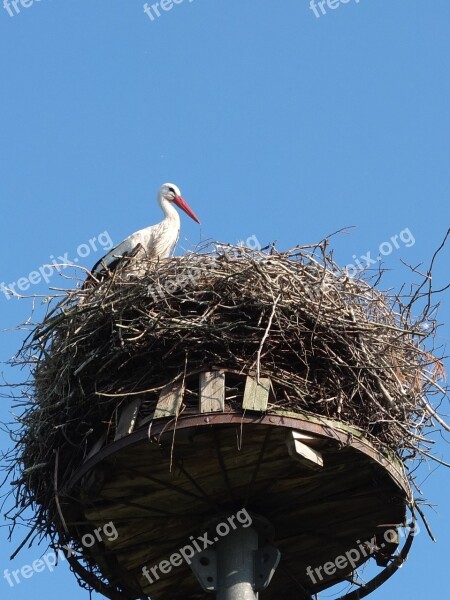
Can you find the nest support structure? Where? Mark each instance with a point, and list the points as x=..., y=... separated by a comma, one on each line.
x=228, y=379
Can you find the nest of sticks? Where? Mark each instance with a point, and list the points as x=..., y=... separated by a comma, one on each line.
x=332, y=345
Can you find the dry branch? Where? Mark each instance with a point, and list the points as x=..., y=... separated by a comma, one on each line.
x=332, y=345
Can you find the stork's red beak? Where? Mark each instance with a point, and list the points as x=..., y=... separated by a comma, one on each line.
x=178, y=200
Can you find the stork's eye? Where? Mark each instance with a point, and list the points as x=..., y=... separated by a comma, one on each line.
x=171, y=190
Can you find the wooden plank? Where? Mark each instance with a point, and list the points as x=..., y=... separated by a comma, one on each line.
x=256, y=394
x=387, y=542
x=212, y=392
x=298, y=448
x=128, y=418
x=170, y=400
x=311, y=440
x=97, y=446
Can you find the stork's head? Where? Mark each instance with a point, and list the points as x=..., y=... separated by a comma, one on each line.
x=171, y=193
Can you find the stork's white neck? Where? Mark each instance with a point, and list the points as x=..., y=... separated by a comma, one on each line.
x=170, y=212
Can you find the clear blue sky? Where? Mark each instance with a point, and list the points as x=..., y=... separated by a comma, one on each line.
x=274, y=123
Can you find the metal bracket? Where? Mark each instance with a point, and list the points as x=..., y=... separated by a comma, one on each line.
x=266, y=560
x=236, y=569
x=204, y=567
x=266, y=563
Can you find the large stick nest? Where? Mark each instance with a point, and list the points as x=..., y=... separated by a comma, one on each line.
x=332, y=345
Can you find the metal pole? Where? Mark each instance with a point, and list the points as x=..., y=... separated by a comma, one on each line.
x=236, y=565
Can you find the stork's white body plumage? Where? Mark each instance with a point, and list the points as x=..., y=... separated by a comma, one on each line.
x=153, y=243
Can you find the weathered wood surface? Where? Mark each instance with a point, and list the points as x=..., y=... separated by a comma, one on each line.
x=97, y=445
x=128, y=418
x=212, y=391
x=299, y=448
x=317, y=515
x=256, y=394
x=170, y=400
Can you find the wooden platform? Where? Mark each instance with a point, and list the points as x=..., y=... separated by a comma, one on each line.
x=161, y=489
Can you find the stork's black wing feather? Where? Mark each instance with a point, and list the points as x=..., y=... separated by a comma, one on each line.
x=100, y=269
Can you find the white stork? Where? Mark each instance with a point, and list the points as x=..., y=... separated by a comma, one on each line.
x=157, y=241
